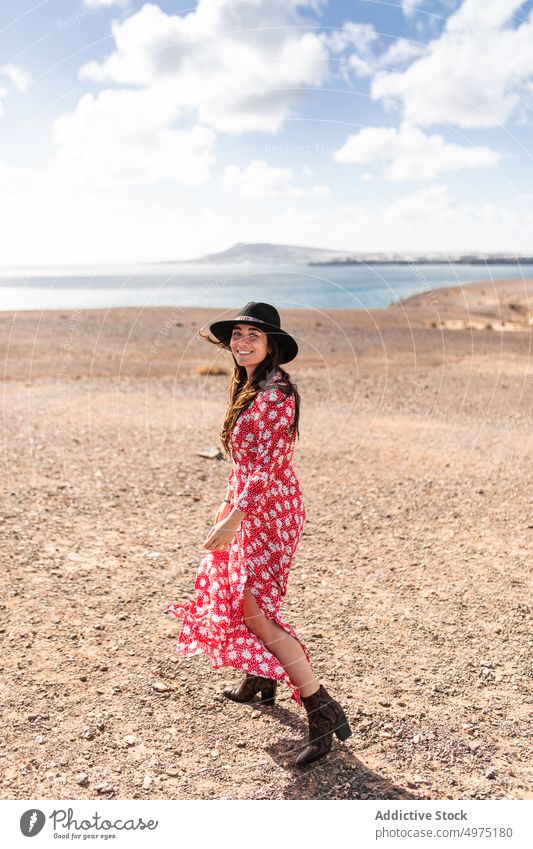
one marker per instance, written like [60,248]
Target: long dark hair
[242,392]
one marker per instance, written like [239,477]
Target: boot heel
[343,730]
[268,694]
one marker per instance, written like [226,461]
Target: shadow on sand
[337,775]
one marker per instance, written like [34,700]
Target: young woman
[240,584]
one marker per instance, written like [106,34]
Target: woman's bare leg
[288,650]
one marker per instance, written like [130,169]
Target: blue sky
[134,131]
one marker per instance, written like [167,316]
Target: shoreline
[154,341]
[461,296]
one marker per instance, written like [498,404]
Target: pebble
[104,787]
[172,770]
[147,781]
[130,739]
[82,779]
[417,738]
[160,687]
[256,714]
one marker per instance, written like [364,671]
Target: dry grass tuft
[212,369]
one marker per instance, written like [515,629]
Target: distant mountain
[263,252]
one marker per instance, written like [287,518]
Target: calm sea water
[295,286]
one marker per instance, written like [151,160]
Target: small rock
[104,787]
[215,753]
[172,770]
[490,773]
[84,677]
[147,781]
[130,739]
[256,714]
[241,744]
[211,454]
[159,687]
[89,734]
[82,779]
[417,738]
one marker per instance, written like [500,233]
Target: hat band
[250,318]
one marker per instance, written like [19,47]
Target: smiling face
[249,346]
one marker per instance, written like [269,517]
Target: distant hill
[263,252]
[258,253]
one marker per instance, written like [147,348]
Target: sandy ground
[411,584]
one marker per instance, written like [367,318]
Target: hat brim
[221,330]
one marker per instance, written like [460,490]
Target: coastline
[157,341]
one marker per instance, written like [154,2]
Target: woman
[240,584]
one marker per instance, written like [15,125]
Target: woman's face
[249,346]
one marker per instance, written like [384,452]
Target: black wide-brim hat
[266,317]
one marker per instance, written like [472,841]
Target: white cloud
[16,80]
[126,137]
[432,219]
[473,75]
[351,34]
[411,154]
[409,7]
[360,38]
[234,64]
[228,66]
[400,51]
[19,78]
[258,179]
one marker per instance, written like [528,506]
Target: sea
[206,285]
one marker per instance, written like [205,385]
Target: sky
[139,132]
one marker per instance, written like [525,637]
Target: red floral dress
[263,484]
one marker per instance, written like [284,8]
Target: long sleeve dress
[264,485]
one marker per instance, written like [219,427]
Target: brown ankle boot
[326,717]
[248,688]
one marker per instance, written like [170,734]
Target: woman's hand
[221,535]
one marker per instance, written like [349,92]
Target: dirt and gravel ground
[411,585]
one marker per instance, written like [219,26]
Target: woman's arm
[273,444]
